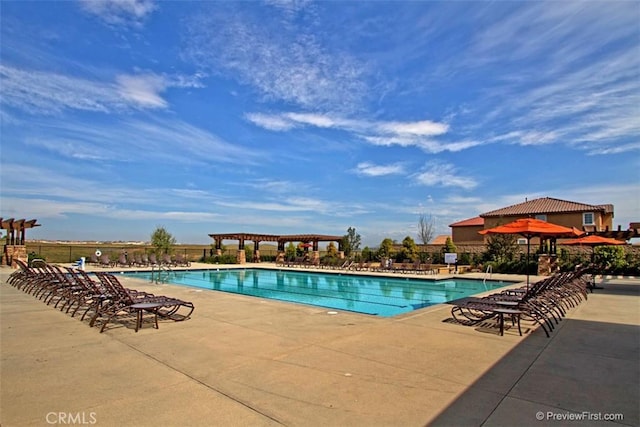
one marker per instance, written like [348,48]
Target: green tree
[386,248]
[290,251]
[366,254]
[502,247]
[351,241]
[332,251]
[248,253]
[449,246]
[409,249]
[162,241]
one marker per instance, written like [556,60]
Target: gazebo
[309,239]
[14,247]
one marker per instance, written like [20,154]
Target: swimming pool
[374,295]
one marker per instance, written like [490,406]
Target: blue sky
[310,117]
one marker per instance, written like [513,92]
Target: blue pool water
[375,295]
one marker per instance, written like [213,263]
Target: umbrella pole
[527,267]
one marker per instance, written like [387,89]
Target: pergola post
[256,251]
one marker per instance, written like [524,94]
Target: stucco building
[586,217]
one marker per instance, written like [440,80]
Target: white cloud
[444,175]
[382,133]
[270,122]
[421,128]
[580,84]
[318,120]
[281,205]
[50,93]
[276,186]
[120,12]
[370,169]
[42,92]
[286,63]
[143,90]
[169,141]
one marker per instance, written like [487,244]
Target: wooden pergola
[14,248]
[16,229]
[309,239]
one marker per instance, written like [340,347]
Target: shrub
[221,259]
[610,258]
[31,256]
[465,259]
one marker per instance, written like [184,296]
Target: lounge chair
[545,302]
[145,259]
[182,261]
[139,261]
[105,261]
[152,259]
[167,261]
[122,261]
[124,299]
[92,296]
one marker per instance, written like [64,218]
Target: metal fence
[69,253]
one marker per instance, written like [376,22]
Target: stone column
[241,256]
[13,253]
[547,265]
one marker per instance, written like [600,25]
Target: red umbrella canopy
[593,240]
[530,227]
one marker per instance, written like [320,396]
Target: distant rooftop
[440,240]
[546,205]
[477,221]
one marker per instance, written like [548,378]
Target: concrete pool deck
[246,361]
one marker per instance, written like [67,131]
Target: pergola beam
[16,229]
[312,239]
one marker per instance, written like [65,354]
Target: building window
[588,218]
[541,217]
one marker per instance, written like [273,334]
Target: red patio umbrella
[531,227]
[593,240]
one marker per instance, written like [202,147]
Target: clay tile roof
[546,205]
[469,222]
[439,240]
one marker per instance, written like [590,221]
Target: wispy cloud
[576,81]
[167,140]
[277,186]
[120,12]
[42,92]
[287,63]
[438,174]
[143,90]
[370,169]
[51,93]
[421,134]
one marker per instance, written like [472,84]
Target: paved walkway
[243,361]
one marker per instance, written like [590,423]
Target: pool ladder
[160,270]
[488,274]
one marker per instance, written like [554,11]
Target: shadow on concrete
[588,370]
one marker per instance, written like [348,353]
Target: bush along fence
[623,260]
